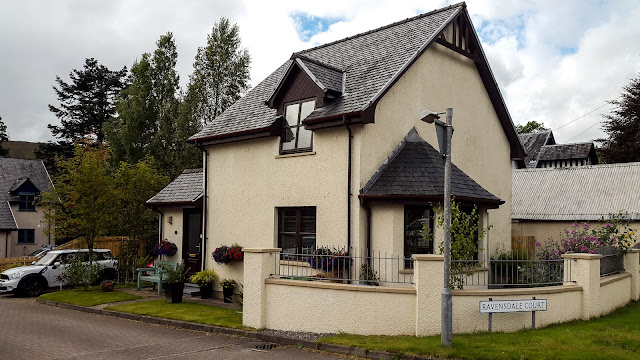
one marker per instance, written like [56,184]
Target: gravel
[295,334]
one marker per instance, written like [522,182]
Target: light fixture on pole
[444,131]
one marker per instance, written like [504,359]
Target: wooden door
[192,240]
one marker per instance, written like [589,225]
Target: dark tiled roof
[567,151]
[330,79]
[532,142]
[369,60]
[13,171]
[416,169]
[186,188]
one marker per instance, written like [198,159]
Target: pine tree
[3,137]
[221,72]
[623,126]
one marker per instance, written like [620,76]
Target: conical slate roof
[415,170]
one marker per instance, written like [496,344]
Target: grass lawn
[615,336]
[185,311]
[91,297]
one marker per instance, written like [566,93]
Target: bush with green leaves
[81,274]
[172,274]
[464,229]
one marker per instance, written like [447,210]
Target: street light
[444,132]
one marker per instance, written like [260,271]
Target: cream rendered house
[329,149]
[22,227]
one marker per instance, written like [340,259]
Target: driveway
[34,331]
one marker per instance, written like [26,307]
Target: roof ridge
[576,168]
[576,143]
[463,4]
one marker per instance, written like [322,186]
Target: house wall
[247,181]
[441,78]
[173,231]
[28,220]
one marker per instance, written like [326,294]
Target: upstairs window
[295,138]
[27,202]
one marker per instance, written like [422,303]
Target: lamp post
[444,132]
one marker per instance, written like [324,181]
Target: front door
[192,240]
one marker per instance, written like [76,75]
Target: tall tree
[531,126]
[86,102]
[622,126]
[82,202]
[221,72]
[3,137]
[149,122]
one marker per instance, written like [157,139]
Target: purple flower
[607,225]
[538,244]
[586,226]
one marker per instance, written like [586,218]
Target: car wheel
[31,287]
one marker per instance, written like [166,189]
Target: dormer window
[27,202]
[295,138]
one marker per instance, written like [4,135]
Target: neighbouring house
[329,149]
[180,221]
[22,227]
[543,152]
[547,201]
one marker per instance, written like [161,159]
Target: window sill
[26,210]
[295,154]
[405,271]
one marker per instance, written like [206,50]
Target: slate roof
[187,188]
[369,60]
[568,151]
[416,170]
[576,193]
[16,171]
[327,78]
[532,143]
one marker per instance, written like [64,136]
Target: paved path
[35,331]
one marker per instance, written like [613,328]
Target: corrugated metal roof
[576,193]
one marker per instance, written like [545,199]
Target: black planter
[206,290]
[228,294]
[173,292]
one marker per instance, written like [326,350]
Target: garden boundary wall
[406,309]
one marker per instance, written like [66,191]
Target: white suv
[45,273]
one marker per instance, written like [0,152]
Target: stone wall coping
[613,278]
[261,250]
[634,250]
[527,291]
[346,287]
[427,257]
[582,256]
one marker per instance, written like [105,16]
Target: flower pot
[173,292]
[106,286]
[206,290]
[228,294]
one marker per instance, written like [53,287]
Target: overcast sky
[555,61]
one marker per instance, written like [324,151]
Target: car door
[53,272]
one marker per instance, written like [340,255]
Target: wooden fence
[113,243]
[524,245]
[16,261]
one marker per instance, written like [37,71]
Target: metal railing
[612,261]
[507,273]
[352,266]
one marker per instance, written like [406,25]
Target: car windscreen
[47,259]
[35,253]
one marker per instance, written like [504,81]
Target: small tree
[464,232]
[3,137]
[82,202]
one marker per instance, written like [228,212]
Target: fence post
[258,265]
[585,271]
[428,275]
[632,266]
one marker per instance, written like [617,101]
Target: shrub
[78,273]
[204,277]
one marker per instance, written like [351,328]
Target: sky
[556,62]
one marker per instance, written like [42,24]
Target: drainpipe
[205,206]
[346,124]
[368,209]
